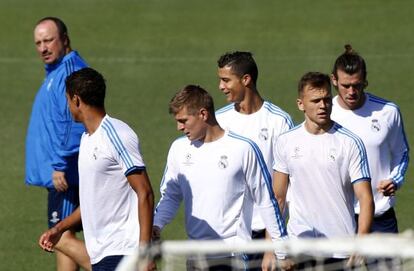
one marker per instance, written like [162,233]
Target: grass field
[147,50]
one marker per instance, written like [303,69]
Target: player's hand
[286,264]
[49,239]
[386,187]
[156,234]
[59,181]
[151,266]
[355,261]
[269,261]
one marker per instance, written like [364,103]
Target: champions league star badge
[375,126]
[188,159]
[296,153]
[263,135]
[223,163]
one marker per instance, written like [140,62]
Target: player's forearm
[146,211]
[69,222]
[363,192]
[366,215]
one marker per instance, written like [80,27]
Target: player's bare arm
[280,186]
[363,192]
[140,182]
[51,237]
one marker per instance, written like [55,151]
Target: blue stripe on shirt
[225,108]
[268,181]
[362,152]
[403,164]
[379,100]
[277,111]
[116,141]
[402,168]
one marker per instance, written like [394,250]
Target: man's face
[350,89]
[231,85]
[192,125]
[316,103]
[49,44]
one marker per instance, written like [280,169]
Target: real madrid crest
[332,154]
[263,134]
[95,153]
[375,125]
[223,162]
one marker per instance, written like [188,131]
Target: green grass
[147,50]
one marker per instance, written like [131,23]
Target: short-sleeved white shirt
[321,169]
[379,124]
[263,127]
[218,182]
[109,206]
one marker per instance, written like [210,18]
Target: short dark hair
[315,80]
[241,63]
[193,98]
[350,62]
[62,29]
[89,85]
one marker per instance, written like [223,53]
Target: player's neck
[355,106]
[251,103]
[92,119]
[317,129]
[213,133]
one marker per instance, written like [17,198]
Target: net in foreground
[370,252]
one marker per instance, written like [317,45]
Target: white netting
[380,251]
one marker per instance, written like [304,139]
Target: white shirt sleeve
[399,149]
[124,147]
[171,194]
[260,185]
[279,163]
[358,166]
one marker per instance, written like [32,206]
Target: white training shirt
[321,169]
[218,182]
[263,127]
[379,124]
[109,206]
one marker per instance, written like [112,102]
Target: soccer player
[116,198]
[219,175]
[52,141]
[323,165]
[379,124]
[250,116]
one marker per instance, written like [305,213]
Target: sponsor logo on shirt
[332,154]
[263,134]
[375,126]
[223,162]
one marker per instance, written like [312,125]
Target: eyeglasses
[354,86]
